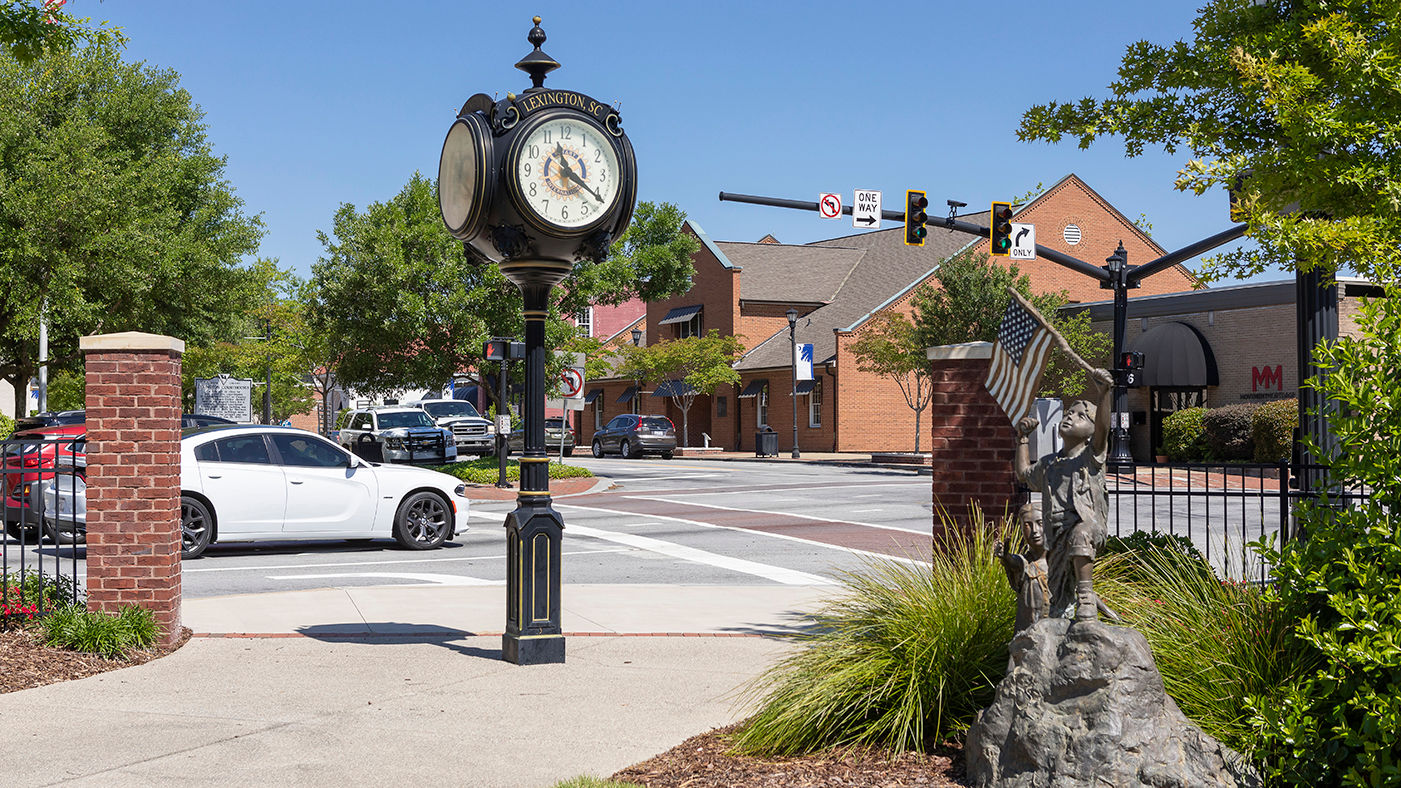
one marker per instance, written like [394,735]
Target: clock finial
[537,64]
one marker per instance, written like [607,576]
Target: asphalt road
[668,522]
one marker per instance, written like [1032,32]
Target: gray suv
[633,436]
[397,435]
[473,432]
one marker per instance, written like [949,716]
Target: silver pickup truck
[473,433]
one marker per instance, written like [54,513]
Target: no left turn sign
[571,382]
[829,205]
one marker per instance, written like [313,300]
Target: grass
[901,660]
[593,782]
[1217,643]
[94,632]
[486,470]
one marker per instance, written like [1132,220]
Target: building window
[584,322]
[598,413]
[761,407]
[689,328]
[815,404]
[722,406]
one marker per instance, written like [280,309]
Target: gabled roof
[792,274]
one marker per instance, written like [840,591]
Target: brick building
[1214,347]
[838,287]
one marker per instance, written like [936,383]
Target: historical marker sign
[225,397]
[865,212]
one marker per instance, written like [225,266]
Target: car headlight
[460,491]
[393,443]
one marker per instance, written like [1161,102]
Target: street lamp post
[793,340]
[636,384]
[1117,266]
[267,387]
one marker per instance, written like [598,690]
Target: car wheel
[597,448]
[422,522]
[569,452]
[666,455]
[196,527]
[64,537]
[625,450]
[21,532]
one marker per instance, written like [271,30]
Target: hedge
[1272,430]
[1228,431]
[1183,439]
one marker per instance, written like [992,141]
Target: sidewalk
[404,685]
[839,459]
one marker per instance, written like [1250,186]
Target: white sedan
[250,483]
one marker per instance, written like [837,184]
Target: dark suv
[633,436]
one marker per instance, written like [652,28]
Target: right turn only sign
[1023,241]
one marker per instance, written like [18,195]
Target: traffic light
[1131,362]
[1001,229]
[915,217]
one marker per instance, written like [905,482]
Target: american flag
[1018,358]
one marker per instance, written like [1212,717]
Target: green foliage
[7,426]
[890,347]
[486,470]
[115,208]
[593,782]
[94,632]
[1228,431]
[1340,724]
[67,390]
[1272,430]
[704,363]
[29,594]
[1216,643]
[1300,99]
[29,29]
[967,304]
[1183,437]
[902,660]
[1150,541]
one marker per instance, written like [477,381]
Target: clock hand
[569,173]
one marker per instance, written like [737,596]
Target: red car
[32,457]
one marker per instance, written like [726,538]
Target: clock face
[463,191]
[567,171]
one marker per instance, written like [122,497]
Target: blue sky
[321,103]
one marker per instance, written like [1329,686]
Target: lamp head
[792,316]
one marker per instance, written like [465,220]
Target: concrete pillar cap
[963,350]
[130,341]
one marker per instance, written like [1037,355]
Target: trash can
[765,442]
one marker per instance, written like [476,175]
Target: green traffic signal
[1001,235]
[915,217]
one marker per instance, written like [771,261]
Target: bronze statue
[1074,501]
[1027,572]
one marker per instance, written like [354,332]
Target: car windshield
[406,418]
[457,407]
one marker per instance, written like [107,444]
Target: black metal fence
[1219,507]
[43,498]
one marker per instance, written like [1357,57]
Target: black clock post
[537,183]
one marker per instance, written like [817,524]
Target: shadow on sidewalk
[397,634]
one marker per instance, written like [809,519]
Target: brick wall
[133,477]
[972,443]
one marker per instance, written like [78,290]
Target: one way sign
[865,211]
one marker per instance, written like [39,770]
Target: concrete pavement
[404,685]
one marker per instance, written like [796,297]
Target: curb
[918,470]
[454,634]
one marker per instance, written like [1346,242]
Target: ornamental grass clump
[901,660]
[94,632]
[1217,643]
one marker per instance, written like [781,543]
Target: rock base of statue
[1083,705]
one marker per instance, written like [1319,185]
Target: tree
[28,30]
[685,369]
[403,306]
[890,348]
[1296,103]
[968,304]
[114,214]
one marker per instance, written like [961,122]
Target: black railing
[1219,507]
[43,487]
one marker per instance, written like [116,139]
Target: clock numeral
[527,170]
[532,190]
[586,209]
[564,212]
[534,151]
[597,155]
[583,140]
[546,207]
[547,136]
[566,132]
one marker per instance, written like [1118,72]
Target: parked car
[30,458]
[397,434]
[253,483]
[473,433]
[634,436]
[188,420]
[555,431]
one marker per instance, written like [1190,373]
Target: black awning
[1176,355]
[806,386]
[628,395]
[753,389]
[592,395]
[680,314]
[674,388]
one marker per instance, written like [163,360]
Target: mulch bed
[26,662]
[703,762]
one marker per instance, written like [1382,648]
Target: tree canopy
[404,307]
[891,348]
[29,29]
[1296,105]
[687,368]
[114,213]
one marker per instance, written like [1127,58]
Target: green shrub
[94,632]
[7,426]
[1227,431]
[1340,724]
[1183,439]
[901,660]
[1217,644]
[486,470]
[28,595]
[1272,430]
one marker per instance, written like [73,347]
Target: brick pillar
[133,445]
[972,444]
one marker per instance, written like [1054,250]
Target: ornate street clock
[537,183]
